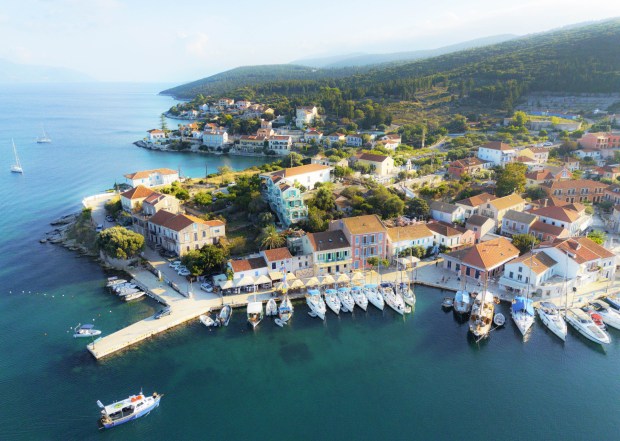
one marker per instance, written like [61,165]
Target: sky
[179,41]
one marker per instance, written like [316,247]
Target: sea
[368,375]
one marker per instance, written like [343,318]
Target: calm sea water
[367,376]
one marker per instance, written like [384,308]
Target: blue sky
[157,41]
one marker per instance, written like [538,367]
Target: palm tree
[271,238]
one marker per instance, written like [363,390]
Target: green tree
[524,242]
[418,207]
[271,238]
[535,192]
[120,243]
[519,119]
[113,206]
[323,200]
[203,199]
[597,236]
[510,179]
[292,160]
[163,124]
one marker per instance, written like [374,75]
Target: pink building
[367,236]
[600,140]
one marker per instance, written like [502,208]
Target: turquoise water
[368,376]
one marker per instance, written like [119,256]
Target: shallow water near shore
[368,375]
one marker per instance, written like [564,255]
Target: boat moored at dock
[522,313]
[359,297]
[85,331]
[130,408]
[462,302]
[583,323]
[255,313]
[332,300]
[225,315]
[552,318]
[346,299]
[610,316]
[316,303]
[272,308]
[374,296]
[481,317]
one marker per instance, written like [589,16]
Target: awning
[357,276]
[245,281]
[342,278]
[312,281]
[512,283]
[327,280]
[408,261]
[295,284]
[263,279]
[276,275]
[290,277]
[226,284]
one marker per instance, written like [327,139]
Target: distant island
[28,73]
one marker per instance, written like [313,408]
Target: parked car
[184,272]
[163,312]
[109,218]
[99,228]
[175,264]
[206,287]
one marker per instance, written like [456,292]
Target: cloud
[195,44]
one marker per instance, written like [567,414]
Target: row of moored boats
[125,290]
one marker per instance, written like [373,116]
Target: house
[225,102]
[450,236]
[517,222]
[467,166]
[612,194]
[280,144]
[600,140]
[156,135]
[572,217]
[540,155]
[157,201]
[571,164]
[380,164]
[480,225]
[481,261]
[367,236]
[546,232]
[331,252]
[548,201]
[306,175]
[305,116]
[355,140]
[614,222]
[391,140]
[279,262]
[181,233]
[525,274]
[577,190]
[334,137]
[595,154]
[472,204]
[243,104]
[247,271]
[609,172]
[313,135]
[215,137]
[152,178]
[445,212]
[547,175]
[252,143]
[285,200]
[403,238]
[497,153]
[344,205]
[496,208]
[131,200]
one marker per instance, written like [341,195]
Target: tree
[120,243]
[203,199]
[597,236]
[535,192]
[292,160]
[271,238]
[163,124]
[519,119]
[209,259]
[510,179]
[113,206]
[323,200]
[341,172]
[224,170]
[524,242]
[418,207]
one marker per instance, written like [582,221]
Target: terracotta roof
[537,262]
[410,232]
[539,175]
[214,223]
[490,254]
[295,171]
[559,213]
[581,249]
[363,224]
[161,217]
[176,222]
[594,247]
[553,230]
[539,150]
[247,264]
[467,162]
[524,159]
[139,192]
[155,131]
[478,220]
[372,157]
[154,197]
[445,229]
[519,216]
[328,240]
[277,254]
[507,201]
[146,173]
[496,145]
[576,183]
[477,200]
[549,201]
[443,207]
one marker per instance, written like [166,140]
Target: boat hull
[523,321]
[134,416]
[603,339]
[552,326]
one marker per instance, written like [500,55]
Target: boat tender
[225,315]
[85,331]
[271,308]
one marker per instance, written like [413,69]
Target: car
[184,272]
[180,268]
[206,287]
[99,228]
[109,218]
[547,144]
[163,312]
[175,264]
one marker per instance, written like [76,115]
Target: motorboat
[207,320]
[613,300]
[522,313]
[255,313]
[499,319]
[128,291]
[597,319]
[583,323]
[447,303]
[552,318]
[462,302]
[610,316]
[17,167]
[359,297]
[130,408]
[316,303]
[374,296]
[481,317]
[113,281]
[346,299]
[271,308]
[134,296]
[225,315]
[405,291]
[285,310]
[85,331]
[393,300]
[332,300]
[165,311]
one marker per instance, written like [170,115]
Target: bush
[120,243]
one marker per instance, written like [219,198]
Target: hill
[26,73]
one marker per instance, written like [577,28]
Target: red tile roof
[372,157]
[146,173]
[496,145]
[247,264]
[277,254]
[491,254]
[139,192]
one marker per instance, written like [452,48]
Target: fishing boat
[207,320]
[522,313]
[609,315]
[550,316]
[499,319]
[255,313]
[272,308]
[17,167]
[405,291]
[374,296]
[613,300]
[462,302]
[346,299]
[393,300]
[225,315]
[583,323]
[131,408]
[285,310]
[316,303]
[85,331]
[332,300]
[359,297]
[134,296]
[481,317]
[447,303]
[44,139]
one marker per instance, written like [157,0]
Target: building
[467,166]
[214,137]
[497,153]
[367,236]
[577,190]
[157,201]
[331,252]
[181,233]
[539,154]
[480,225]
[546,176]
[380,164]
[390,141]
[225,102]
[131,200]
[546,232]
[152,178]
[404,238]
[247,271]
[285,200]
[279,262]
[472,204]
[156,135]
[450,236]
[252,143]
[609,172]
[573,217]
[595,154]
[517,222]
[481,261]
[313,135]
[305,116]
[445,212]
[600,140]
[243,104]
[334,137]
[307,175]
[497,208]
[354,140]
[280,144]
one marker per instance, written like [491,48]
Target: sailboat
[374,296]
[550,316]
[359,297]
[17,167]
[481,317]
[522,313]
[255,313]
[346,299]
[285,311]
[44,139]
[316,303]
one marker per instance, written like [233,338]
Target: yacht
[359,297]
[481,317]
[348,303]
[586,327]
[17,167]
[271,308]
[255,313]
[316,303]
[462,302]
[225,315]
[332,300]
[85,331]
[374,296]
[550,316]
[393,300]
[45,139]
[405,291]
[128,409]
[285,310]
[610,316]
[134,296]
[522,313]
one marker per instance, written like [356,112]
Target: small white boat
[285,310]
[405,291]
[522,313]
[271,308]
[499,319]
[332,300]
[583,323]
[207,320]
[393,300]
[613,300]
[346,299]
[359,297]
[279,322]
[131,408]
[127,291]
[44,139]
[85,331]
[316,303]
[134,296]
[462,302]
[113,281]
[550,316]
[447,302]
[374,296]
[255,313]
[609,315]
[17,167]
[225,315]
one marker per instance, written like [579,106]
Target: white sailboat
[285,310]
[550,316]
[332,300]
[315,303]
[348,303]
[522,313]
[374,296]
[583,323]
[255,313]
[45,139]
[393,300]
[17,167]
[271,308]
[359,297]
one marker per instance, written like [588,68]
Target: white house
[242,104]
[497,152]
[225,102]
[313,135]
[305,116]
[445,212]
[382,165]
[151,178]
[156,135]
[573,217]
[403,238]
[334,137]
[354,140]
[306,175]
[280,144]
[214,137]
[248,269]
